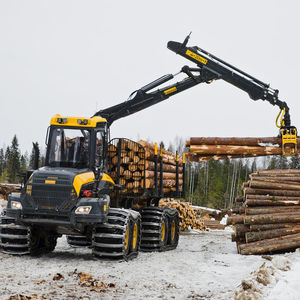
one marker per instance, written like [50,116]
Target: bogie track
[119,237]
[20,239]
[160,229]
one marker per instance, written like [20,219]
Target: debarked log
[254,202]
[238,219]
[269,234]
[271,210]
[272,218]
[166,175]
[234,150]
[246,141]
[271,245]
[272,192]
[274,185]
[149,183]
[263,227]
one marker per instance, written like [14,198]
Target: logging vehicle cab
[104,193]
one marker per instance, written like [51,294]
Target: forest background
[212,184]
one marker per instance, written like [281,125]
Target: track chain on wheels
[14,239]
[160,229]
[119,237]
[79,241]
[20,239]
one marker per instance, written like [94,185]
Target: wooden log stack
[216,148]
[269,220]
[129,174]
[187,214]
[137,167]
[8,188]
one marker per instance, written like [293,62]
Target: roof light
[85,121]
[79,121]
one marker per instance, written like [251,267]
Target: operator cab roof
[77,121]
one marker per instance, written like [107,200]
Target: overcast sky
[76,57]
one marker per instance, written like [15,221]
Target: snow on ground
[204,266]
[288,283]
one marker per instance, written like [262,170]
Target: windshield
[69,148]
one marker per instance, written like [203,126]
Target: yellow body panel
[106,177]
[171,90]
[82,179]
[88,177]
[73,121]
[196,56]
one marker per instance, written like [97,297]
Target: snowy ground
[204,266]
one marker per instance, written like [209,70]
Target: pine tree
[282,162]
[13,164]
[32,156]
[1,161]
[295,162]
[23,163]
[273,163]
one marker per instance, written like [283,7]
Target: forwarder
[74,195]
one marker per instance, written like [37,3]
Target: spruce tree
[13,163]
[295,162]
[1,161]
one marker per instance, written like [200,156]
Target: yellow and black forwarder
[74,194]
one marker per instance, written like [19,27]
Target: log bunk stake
[269,220]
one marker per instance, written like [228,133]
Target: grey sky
[71,57]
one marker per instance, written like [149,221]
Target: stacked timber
[8,188]
[134,164]
[269,220]
[124,164]
[187,215]
[216,148]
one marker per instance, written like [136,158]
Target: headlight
[83,210]
[16,205]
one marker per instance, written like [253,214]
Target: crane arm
[209,68]
[144,98]
[255,88]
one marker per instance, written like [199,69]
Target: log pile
[8,188]
[216,148]
[137,167]
[269,220]
[187,215]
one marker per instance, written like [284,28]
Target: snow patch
[224,220]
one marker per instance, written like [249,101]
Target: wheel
[50,243]
[119,237]
[41,243]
